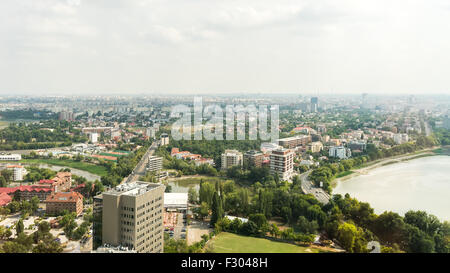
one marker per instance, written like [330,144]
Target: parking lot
[175,225]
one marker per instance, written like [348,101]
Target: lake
[418,184]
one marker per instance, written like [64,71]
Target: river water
[418,184]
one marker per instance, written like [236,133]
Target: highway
[141,167]
[309,188]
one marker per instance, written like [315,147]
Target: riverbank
[382,162]
[416,183]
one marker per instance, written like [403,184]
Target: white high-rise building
[282,163]
[154,163]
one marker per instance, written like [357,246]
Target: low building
[28,192]
[267,147]
[176,201]
[5,199]
[232,218]
[62,182]
[58,202]
[295,141]
[10,157]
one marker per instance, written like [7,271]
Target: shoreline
[385,162]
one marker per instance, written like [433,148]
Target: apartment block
[315,147]
[58,202]
[253,159]
[132,216]
[154,163]
[340,152]
[18,172]
[231,158]
[295,141]
[282,163]
[164,139]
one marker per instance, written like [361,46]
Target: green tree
[19,227]
[216,208]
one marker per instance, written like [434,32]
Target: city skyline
[214,47]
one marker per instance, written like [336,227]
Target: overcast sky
[219,46]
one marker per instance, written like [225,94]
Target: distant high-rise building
[132,216]
[314,104]
[66,115]
[164,139]
[304,107]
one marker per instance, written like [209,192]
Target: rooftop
[134,188]
[175,199]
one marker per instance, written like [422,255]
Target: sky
[101,47]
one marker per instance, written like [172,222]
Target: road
[309,188]
[141,167]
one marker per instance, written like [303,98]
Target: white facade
[154,163]
[401,138]
[231,158]
[93,137]
[18,172]
[340,152]
[11,157]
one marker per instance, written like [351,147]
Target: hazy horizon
[157,47]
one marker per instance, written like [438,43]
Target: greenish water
[418,184]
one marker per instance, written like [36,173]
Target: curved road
[309,188]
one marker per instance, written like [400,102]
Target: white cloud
[219,46]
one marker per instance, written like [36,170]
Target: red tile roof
[64,197]
[5,199]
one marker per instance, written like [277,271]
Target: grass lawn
[232,243]
[84,166]
[4,124]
